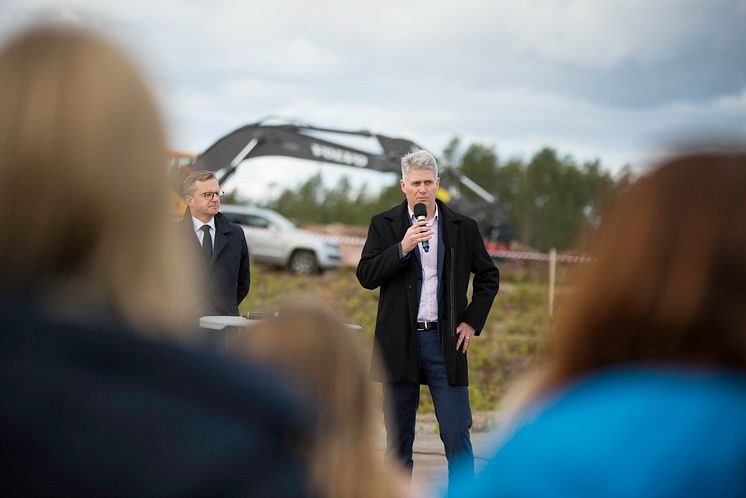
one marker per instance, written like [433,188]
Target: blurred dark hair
[668,283]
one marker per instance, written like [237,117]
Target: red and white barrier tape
[524,255]
[521,255]
[538,256]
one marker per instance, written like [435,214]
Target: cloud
[596,79]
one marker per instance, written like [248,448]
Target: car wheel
[303,263]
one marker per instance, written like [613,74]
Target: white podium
[230,325]
[218,322]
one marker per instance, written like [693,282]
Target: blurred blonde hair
[310,346]
[83,191]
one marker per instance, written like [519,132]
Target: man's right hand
[417,233]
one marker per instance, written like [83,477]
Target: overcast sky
[613,80]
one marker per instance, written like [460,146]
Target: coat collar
[401,211]
[398,216]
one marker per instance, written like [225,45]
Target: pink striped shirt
[428,309]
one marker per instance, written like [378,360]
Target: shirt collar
[411,214]
[197,224]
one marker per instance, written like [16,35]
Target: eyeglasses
[209,195]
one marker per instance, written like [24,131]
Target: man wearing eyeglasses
[223,253]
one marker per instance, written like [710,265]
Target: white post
[552,272]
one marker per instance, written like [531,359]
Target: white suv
[275,240]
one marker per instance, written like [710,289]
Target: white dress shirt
[197,224]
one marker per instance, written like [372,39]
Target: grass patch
[514,334]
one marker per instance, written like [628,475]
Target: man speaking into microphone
[421,255]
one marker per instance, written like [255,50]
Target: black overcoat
[226,279]
[463,254]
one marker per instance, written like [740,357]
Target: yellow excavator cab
[443,195]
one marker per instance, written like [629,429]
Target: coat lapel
[441,253]
[188,227]
[451,222]
[221,236]
[400,225]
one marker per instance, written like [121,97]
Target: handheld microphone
[420,213]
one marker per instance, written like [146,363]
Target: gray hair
[421,159]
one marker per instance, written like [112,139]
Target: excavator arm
[307,142]
[255,140]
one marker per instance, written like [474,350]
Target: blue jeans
[451,409]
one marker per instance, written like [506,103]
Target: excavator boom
[309,142]
[255,140]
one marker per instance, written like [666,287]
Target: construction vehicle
[308,142]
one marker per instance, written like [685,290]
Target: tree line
[547,201]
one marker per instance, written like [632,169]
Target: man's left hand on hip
[465,334]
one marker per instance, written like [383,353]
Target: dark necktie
[207,243]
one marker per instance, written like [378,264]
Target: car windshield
[280,221]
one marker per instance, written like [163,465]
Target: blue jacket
[635,432]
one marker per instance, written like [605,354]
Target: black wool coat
[463,254]
[226,278]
